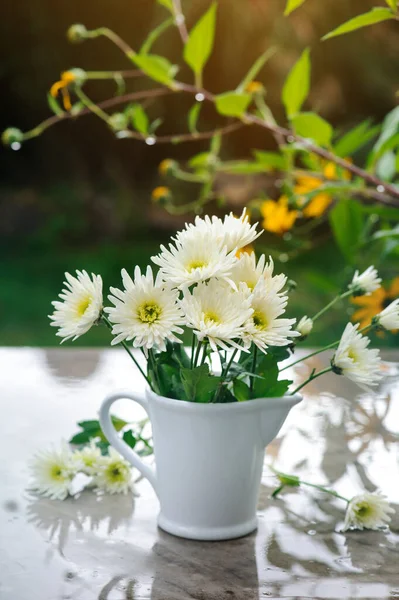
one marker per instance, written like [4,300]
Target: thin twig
[180,20]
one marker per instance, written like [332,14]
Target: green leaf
[355,138]
[200,160]
[242,167]
[154,35]
[390,144]
[167,4]
[389,128]
[198,47]
[256,67]
[386,233]
[154,125]
[393,5]
[267,368]
[347,220]
[279,389]
[156,67]
[83,437]
[241,390]
[53,104]
[139,118]
[198,384]
[193,117]
[270,160]
[375,15]
[129,438]
[385,212]
[232,104]
[297,85]
[292,5]
[310,125]
[386,167]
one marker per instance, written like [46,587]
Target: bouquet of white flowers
[210,283]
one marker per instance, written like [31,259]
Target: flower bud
[76,75]
[304,327]
[255,87]
[161,195]
[166,166]
[77,33]
[12,135]
[118,121]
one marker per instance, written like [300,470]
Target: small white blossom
[389,317]
[88,458]
[355,360]
[81,306]
[248,271]
[367,511]
[217,312]
[53,472]
[365,283]
[114,474]
[194,257]
[265,327]
[232,232]
[145,312]
[305,326]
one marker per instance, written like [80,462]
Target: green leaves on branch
[232,104]
[154,35]
[192,118]
[168,4]
[355,138]
[375,15]
[138,117]
[199,385]
[292,5]
[310,125]
[199,45]
[156,67]
[347,223]
[297,85]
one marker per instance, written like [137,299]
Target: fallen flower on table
[368,510]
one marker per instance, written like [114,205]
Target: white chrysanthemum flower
[53,472]
[305,326]
[81,306]
[114,474]
[232,232]
[355,360]
[389,317]
[265,327]
[198,258]
[367,511]
[217,313]
[88,458]
[248,271]
[145,312]
[365,283]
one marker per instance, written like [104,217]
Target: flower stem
[313,376]
[126,347]
[310,355]
[326,490]
[192,351]
[254,356]
[330,304]
[154,368]
[197,354]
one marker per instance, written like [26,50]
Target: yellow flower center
[363,510]
[211,318]
[149,312]
[352,354]
[195,264]
[259,320]
[83,305]
[56,472]
[115,473]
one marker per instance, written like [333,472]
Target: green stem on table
[326,490]
[254,356]
[126,347]
[283,476]
[330,304]
[313,376]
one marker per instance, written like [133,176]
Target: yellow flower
[318,205]
[159,193]
[371,305]
[165,166]
[277,217]
[254,87]
[67,77]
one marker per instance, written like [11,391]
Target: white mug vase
[209,460]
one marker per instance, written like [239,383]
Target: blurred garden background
[78,197]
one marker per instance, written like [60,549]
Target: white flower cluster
[203,283]
[54,471]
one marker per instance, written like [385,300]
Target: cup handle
[117,442]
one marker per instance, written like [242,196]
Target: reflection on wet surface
[109,548]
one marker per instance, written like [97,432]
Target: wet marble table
[109,548]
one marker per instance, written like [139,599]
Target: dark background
[77,197]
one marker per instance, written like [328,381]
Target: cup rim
[247,406]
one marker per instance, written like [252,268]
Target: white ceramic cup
[208,458]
